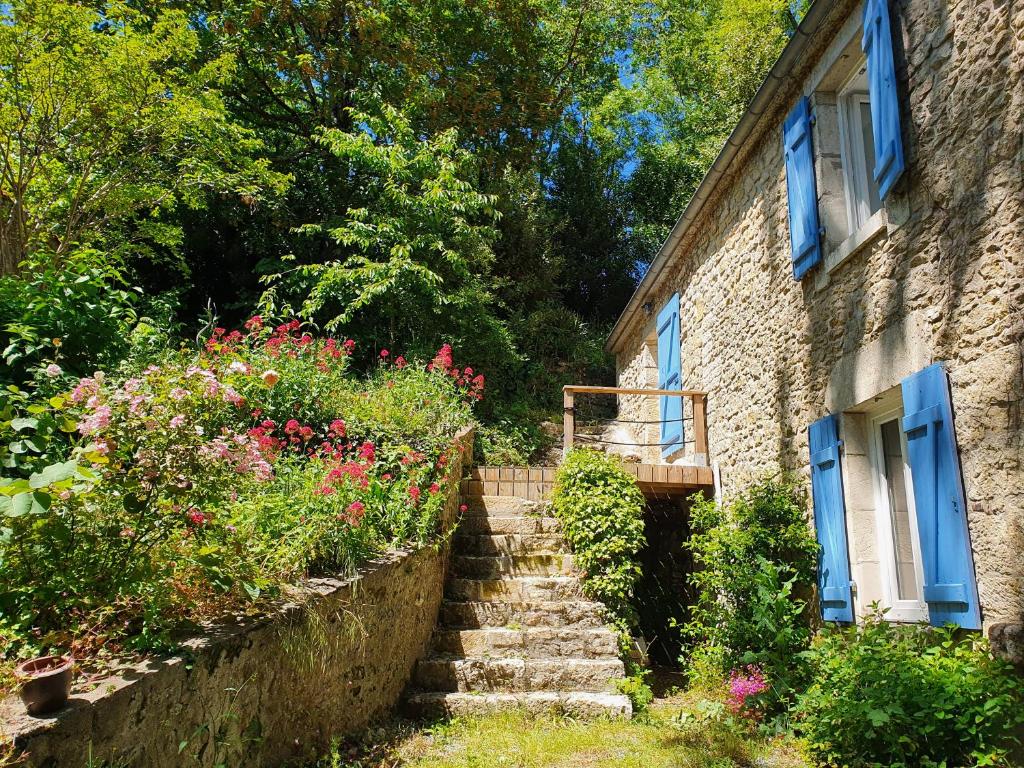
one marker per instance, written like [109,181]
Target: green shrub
[601,509]
[755,560]
[638,689]
[888,695]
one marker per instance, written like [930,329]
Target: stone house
[847,286]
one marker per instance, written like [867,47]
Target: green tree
[108,126]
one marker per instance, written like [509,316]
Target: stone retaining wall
[264,693]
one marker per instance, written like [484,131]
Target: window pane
[899,512]
[864,111]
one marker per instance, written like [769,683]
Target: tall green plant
[755,560]
[889,695]
[601,509]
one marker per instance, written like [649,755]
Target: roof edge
[778,77]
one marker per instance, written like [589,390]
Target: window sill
[868,231]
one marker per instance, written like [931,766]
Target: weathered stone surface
[581,705]
[510,544]
[523,589]
[502,506]
[264,692]
[532,643]
[497,566]
[509,525]
[942,280]
[564,613]
[513,675]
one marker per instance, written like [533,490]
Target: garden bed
[333,657]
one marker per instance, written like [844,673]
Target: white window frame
[855,165]
[899,610]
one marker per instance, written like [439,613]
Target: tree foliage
[108,125]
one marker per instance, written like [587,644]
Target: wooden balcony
[536,483]
[693,453]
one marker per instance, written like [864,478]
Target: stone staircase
[515,630]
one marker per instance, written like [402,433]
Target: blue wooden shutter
[885,105]
[670,376]
[830,520]
[801,189]
[949,586]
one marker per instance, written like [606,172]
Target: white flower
[199,430]
[53,370]
[238,367]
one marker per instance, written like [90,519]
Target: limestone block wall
[265,692]
[943,280]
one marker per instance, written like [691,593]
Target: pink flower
[254,323]
[744,683]
[356,508]
[270,377]
[400,362]
[178,393]
[463,508]
[291,427]
[96,422]
[196,517]
[177,421]
[368,452]
[53,370]
[338,428]
[384,353]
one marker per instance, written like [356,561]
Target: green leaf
[55,473]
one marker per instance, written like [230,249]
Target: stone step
[502,506]
[517,675]
[479,524]
[574,704]
[499,566]
[521,589]
[561,613]
[510,544]
[532,643]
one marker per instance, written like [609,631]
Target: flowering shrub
[209,480]
[755,561]
[744,684]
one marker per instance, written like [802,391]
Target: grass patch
[660,739]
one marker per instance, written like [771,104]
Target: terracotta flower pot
[45,683]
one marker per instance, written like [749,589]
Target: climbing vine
[601,510]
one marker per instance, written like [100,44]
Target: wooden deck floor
[535,483]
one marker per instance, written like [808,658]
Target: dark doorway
[663,595]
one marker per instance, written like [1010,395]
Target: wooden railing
[698,401]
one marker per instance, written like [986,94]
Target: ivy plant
[601,510]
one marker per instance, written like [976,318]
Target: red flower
[196,517]
[368,452]
[400,362]
[356,508]
[254,323]
[414,493]
[384,353]
[349,346]
[338,428]
[463,508]
[434,488]
[306,432]
[291,427]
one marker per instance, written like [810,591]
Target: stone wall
[266,692]
[942,280]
